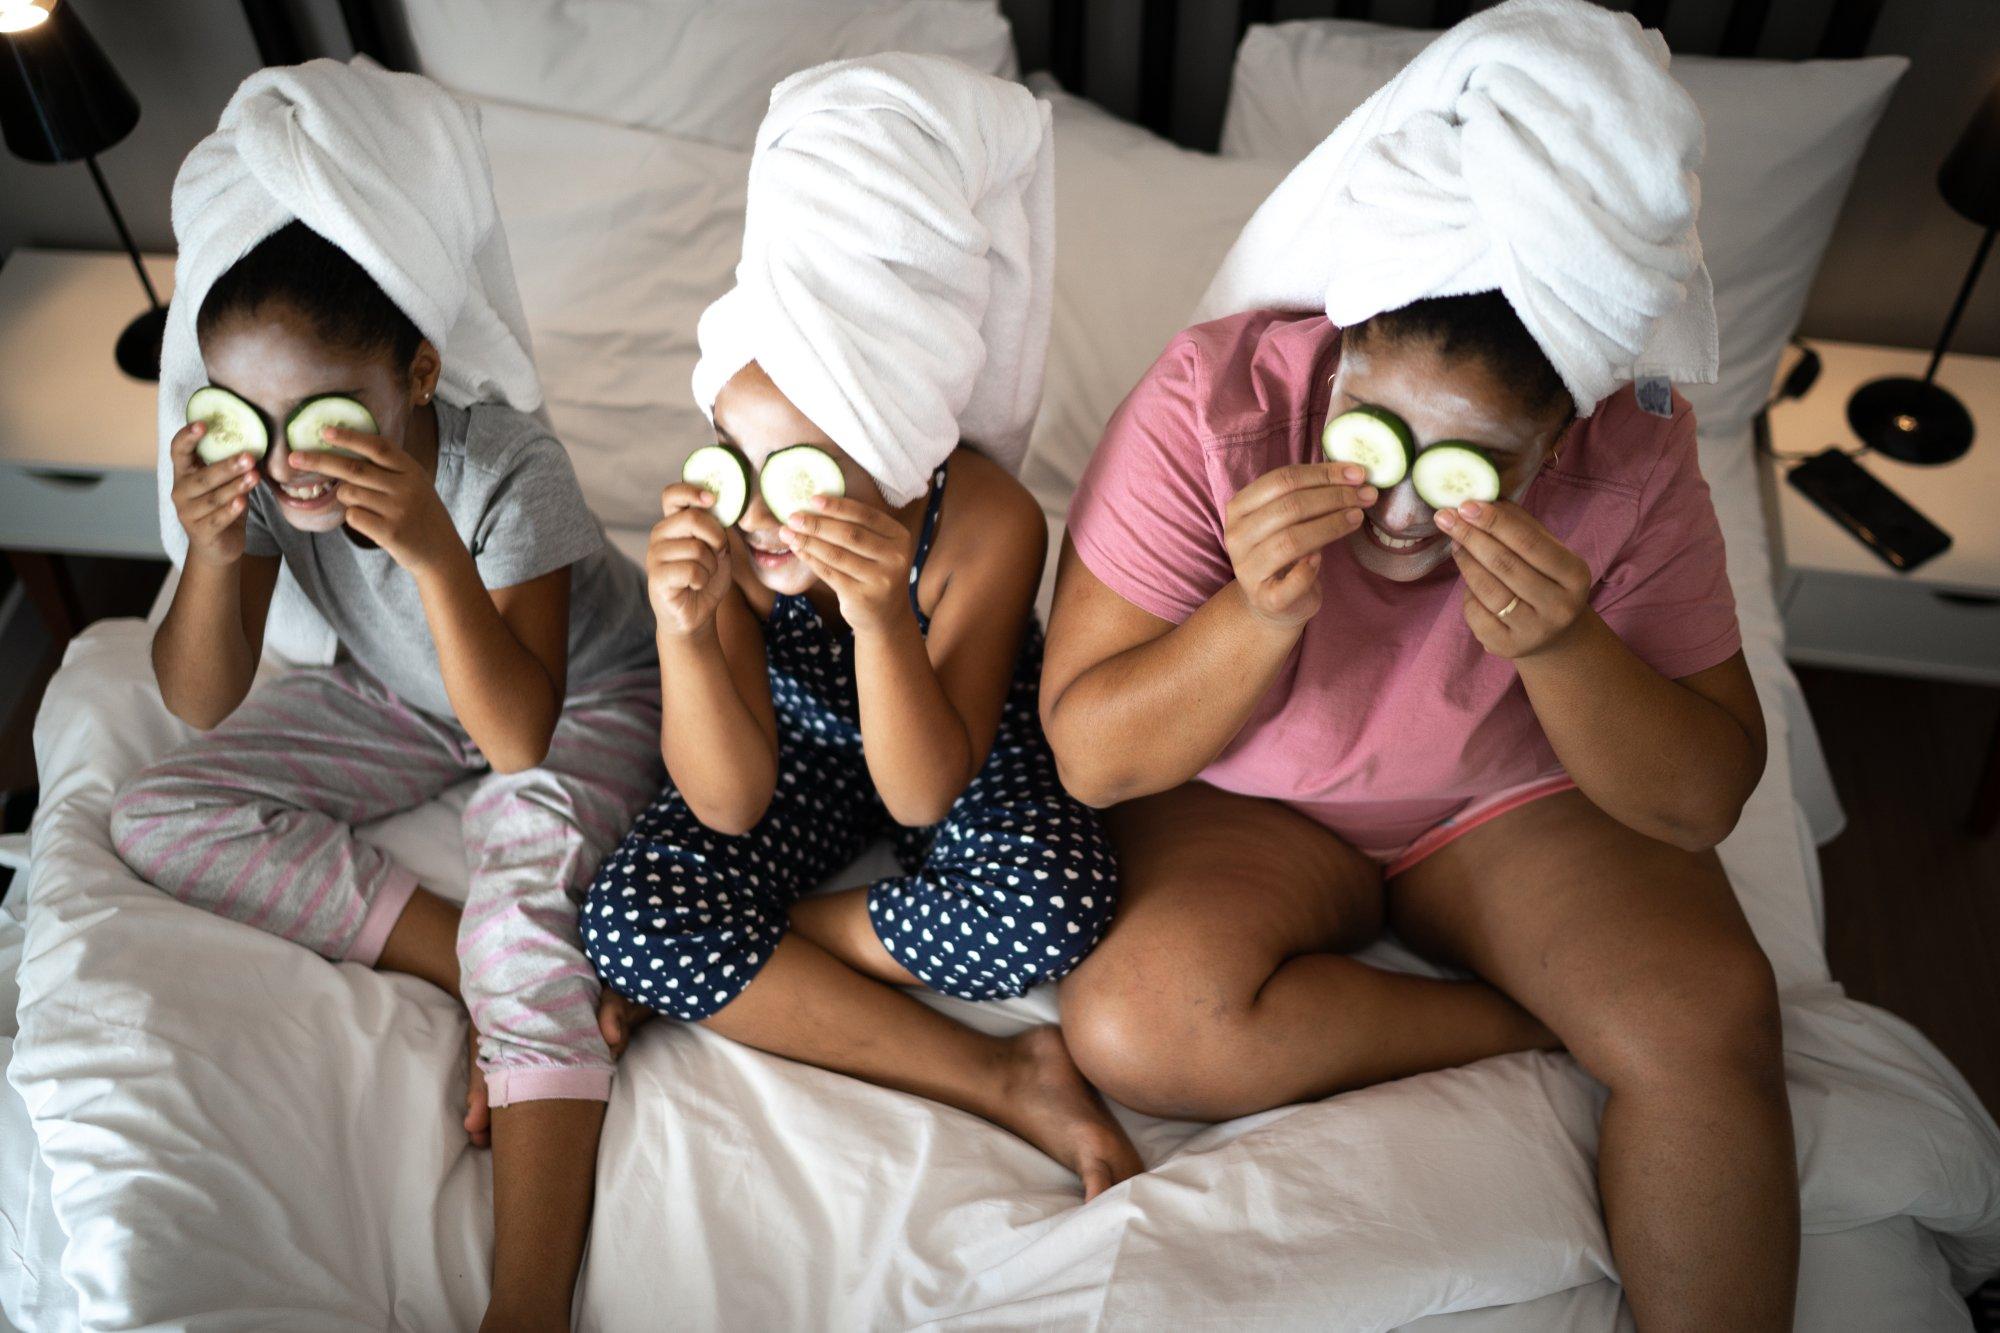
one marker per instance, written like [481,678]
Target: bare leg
[544,1152]
[424,942]
[808,1005]
[1638,955]
[839,924]
[1220,989]
[836,922]
[544,1174]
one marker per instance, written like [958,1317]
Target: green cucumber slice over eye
[234,427]
[721,471]
[314,415]
[1371,437]
[1451,472]
[793,476]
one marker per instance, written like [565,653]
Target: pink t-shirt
[1389,717]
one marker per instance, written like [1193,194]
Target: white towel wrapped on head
[389,167]
[1539,148]
[898,262]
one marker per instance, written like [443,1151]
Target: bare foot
[1049,1104]
[618,1018]
[478,1116]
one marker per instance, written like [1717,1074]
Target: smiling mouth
[1388,541]
[306,495]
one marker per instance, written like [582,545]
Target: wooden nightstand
[77,435]
[1842,606]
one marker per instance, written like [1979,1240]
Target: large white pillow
[620,238]
[1141,226]
[1784,138]
[701,69]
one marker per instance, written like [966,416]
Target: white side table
[77,435]
[1843,607]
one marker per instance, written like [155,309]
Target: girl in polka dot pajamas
[868,665]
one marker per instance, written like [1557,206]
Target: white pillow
[620,238]
[1784,138]
[1141,226]
[701,69]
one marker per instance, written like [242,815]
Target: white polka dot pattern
[1012,889]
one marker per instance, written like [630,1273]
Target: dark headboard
[1167,46]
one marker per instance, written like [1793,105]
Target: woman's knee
[1155,1040]
[1696,1019]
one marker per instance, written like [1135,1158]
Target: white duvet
[238,1135]
[207,1127]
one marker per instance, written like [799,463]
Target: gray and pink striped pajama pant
[255,821]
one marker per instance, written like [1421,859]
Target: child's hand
[388,496]
[1513,564]
[211,500]
[687,560]
[862,553]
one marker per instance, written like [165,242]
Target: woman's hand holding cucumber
[687,560]
[211,499]
[1524,590]
[388,496]
[860,552]
[1276,527]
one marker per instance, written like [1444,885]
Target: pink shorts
[1395,860]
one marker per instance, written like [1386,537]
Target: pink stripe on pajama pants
[255,821]
[534,840]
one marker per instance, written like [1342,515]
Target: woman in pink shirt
[1512,732]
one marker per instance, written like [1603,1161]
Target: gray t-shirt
[514,499]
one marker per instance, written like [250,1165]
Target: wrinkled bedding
[233,1134]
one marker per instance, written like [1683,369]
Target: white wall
[1889,277]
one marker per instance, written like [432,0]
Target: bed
[203,1127]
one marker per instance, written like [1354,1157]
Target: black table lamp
[1919,421]
[60,100]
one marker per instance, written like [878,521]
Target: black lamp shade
[60,99]
[1970,176]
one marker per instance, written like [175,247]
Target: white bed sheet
[236,1136]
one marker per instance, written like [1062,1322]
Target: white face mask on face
[274,360]
[1438,400]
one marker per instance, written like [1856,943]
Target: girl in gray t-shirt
[486,632]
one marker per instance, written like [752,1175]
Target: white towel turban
[389,167]
[898,262]
[1539,148]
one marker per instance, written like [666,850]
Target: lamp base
[1912,421]
[139,345]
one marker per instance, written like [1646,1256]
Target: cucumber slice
[1373,437]
[314,415]
[1451,472]
[234,427]
[795,475]
[721,471]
